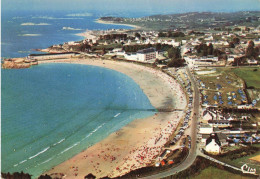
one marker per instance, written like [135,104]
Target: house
[252,62]
[219,123]
[207,115]
[213,144]
[118,51]
[209,38]
[206,129]
[222,138]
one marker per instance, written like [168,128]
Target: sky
[156,6]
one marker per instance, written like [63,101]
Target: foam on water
[69,147]
[44,150]
[117,114]
[59,142]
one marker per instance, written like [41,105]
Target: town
[220,64]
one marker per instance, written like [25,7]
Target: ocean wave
[59,142]
[70,28]
[46,161]
[33,24]
[80,14]
[24,51]
[90,134]
[44,150]
[117,115]
[22,161]
[70,147]
[30,35]
[53,18]
[17,17]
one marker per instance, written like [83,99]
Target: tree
[250,51]
[161,34]
[231,45]
[44,177]
[137,35]
[174,53]
[158,46]
[90,176]
[169,34]
[236,29]
[247,29]
[178,34]
[176,62]
[210,49]
[236,40]
[103,52]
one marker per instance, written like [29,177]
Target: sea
[51,112]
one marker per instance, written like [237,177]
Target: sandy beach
[110,22]
[88,34]
[138,143]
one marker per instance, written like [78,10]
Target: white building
[118,51]
[201,61]
[145,55]
[131,56]
[213,144]
[252,62]
[206,129]
[209,38]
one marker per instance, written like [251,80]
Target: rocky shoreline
[18,63]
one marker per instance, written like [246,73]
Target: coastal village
[221,65]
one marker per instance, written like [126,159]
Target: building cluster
[219,129]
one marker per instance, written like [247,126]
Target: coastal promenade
[193,151]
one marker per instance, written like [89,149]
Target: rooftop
[148,50]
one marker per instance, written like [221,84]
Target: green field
[241,161]
[229,84]
[231,79]
[215,173]
[251,77]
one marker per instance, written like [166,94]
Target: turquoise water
[52,112]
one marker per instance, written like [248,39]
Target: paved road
[193,151]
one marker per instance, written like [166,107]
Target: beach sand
[111,22]
[88,34]
[138,143]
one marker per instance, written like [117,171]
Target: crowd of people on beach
[147,153]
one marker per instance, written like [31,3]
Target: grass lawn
[231,80]
[241,161]
[215,173]
[229,83]
[251,77]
